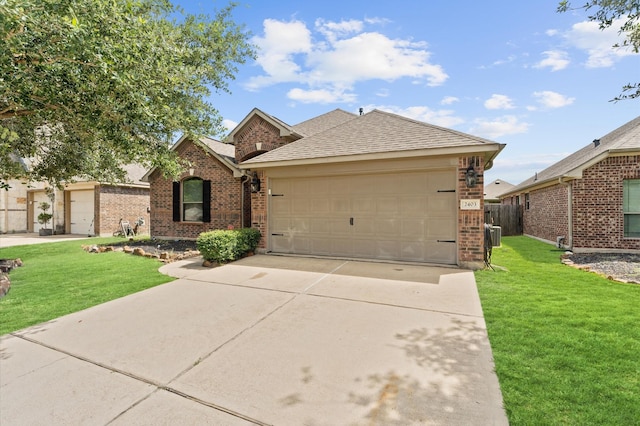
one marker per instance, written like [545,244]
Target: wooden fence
[507,217]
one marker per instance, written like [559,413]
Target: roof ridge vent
[596,143]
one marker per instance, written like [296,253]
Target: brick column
[259,211]
[471,222]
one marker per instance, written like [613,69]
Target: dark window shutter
[206,201]
[176,201]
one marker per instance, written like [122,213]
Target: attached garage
[370,186]
[408,216]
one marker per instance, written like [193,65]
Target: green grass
[566,343]
[61,278]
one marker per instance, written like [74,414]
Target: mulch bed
[623,267]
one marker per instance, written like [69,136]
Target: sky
[517,73]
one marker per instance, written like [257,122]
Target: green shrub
[227,245]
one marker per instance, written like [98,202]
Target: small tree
[44,217]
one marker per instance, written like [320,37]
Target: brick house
[375,186]
[590,200]
[82,207]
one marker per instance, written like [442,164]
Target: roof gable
[376,132]
[625,138]
[285,129]
[223,152]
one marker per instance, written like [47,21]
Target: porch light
[255,183]
[471,177]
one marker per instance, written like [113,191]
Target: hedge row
[223,246]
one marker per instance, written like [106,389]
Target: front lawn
[61,278]
[566,343]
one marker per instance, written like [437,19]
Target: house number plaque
[469,204]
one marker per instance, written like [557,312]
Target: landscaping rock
[138,251]
[127,249]
[5,284]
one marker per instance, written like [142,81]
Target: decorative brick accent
[257,131]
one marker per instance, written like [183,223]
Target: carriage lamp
[255,183]
[471,177]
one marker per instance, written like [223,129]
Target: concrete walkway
[265,340]
[10,240]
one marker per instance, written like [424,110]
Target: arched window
[192,200]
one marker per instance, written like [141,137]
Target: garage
[81,211]
[399,216]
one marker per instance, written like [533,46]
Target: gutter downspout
[242,182]
[569,210]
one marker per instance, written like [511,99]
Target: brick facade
[597,207]
[226,197]
[597,204]
[257,133]
[470,222]
[113,203]
[546,216]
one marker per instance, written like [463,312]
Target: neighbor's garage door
[401,216]
[81,214]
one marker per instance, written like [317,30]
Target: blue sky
[517,73]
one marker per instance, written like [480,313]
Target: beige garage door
[81,215]
[401,216]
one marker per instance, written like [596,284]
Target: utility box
[496,236]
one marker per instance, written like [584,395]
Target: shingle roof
[374,132]
[494,189]
[324,122]
[624,138]
[226,149]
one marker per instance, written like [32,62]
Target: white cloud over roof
[329,59]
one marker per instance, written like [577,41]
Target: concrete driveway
[265,340]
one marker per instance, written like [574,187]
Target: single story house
[84,207]
[493,190]
[590,200]
[375,186]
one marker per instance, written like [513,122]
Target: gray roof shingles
[374,132]
[625,137]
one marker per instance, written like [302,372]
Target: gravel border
[622,267]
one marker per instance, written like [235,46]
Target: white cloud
[443,117]
[597,43]
[555,59]
[499,102]
[549,99]
[229,124]
[320,96]
[448,100]
[501,126]
[336,56]
[281,41]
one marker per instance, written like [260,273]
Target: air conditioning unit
[496,235]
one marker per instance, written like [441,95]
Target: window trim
[628,213]
[178,200]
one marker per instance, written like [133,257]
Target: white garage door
[401,216]
[81,214]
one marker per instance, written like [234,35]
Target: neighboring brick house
[589,201]
[83,207]
[375,186]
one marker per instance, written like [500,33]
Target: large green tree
[87,86]
[605,12]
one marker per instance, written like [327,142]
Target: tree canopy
[605,12]
[87,86]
